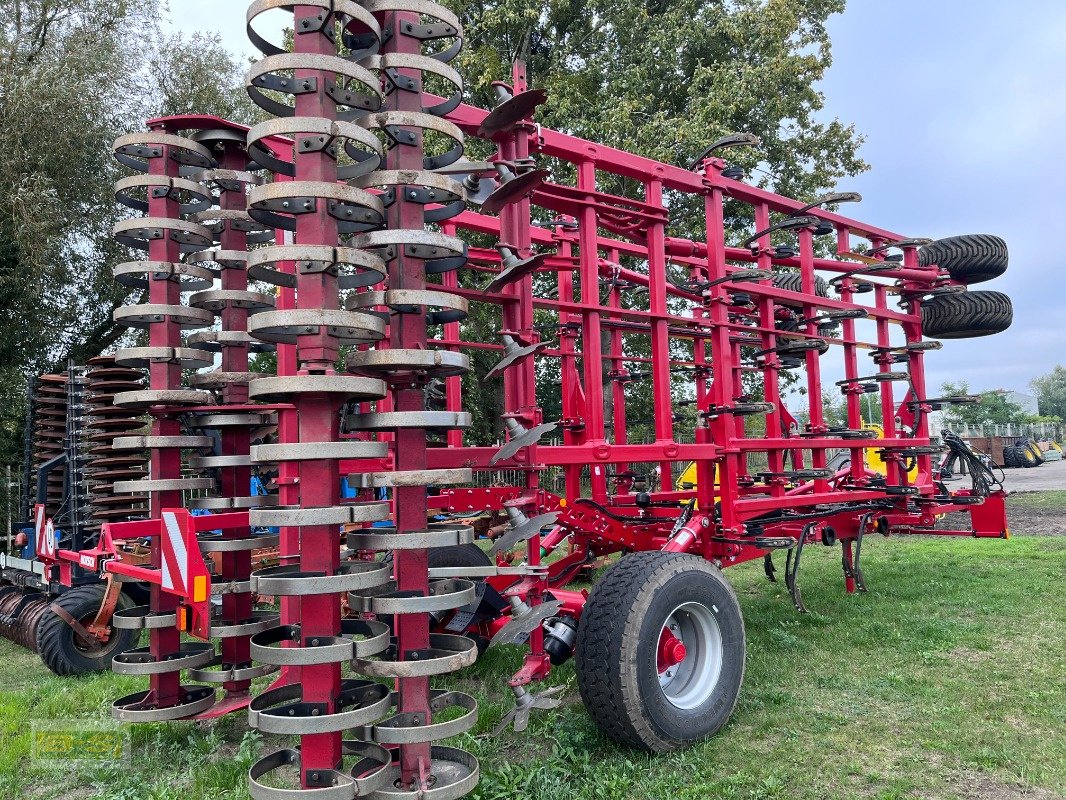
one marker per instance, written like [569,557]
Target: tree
[665,78]
[1051,392]
[73,77]
[197,75]
[992,408]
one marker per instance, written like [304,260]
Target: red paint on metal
[669,652]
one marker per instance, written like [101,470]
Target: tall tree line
[664,79]
[74,76]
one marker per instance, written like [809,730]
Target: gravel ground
[1023,518]
[1049,476]
[1028,520]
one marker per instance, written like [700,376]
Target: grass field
[946,680]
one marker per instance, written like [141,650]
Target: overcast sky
[963,105]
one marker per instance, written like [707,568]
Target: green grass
[947,675]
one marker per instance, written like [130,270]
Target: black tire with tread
[56,639]
[793,282]
[1029,454]
[616,670]
[971,258]
[463,555]
[966,315]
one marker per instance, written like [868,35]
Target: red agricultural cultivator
[352,236]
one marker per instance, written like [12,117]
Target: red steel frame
[719,336]
[720,446]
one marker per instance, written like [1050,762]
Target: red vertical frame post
[408,331]
[165,464]
[660,330]
[317,415]
[591,331]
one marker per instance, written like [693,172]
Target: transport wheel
[660,651]
[65,652]
[463,555]
[966,315]
[793,282]
[972,258]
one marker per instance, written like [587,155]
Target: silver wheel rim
[691,683]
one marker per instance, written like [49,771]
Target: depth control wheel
[660,651]
[65,652]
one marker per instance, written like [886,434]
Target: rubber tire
[1029,454]
[966,315]
[1010,456]
[972,258]
[463,555]
[616,661]
[793,282]
[55,638]
[1034,448]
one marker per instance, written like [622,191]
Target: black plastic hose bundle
[981,475]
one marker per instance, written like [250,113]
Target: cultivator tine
[513,353]
[514,186]
[521,437]
[512,109]
[826,199]
[514,268]
[920,241]
[522,529]
[856,569]
[768,567]
[789,223]
[792,565]
[524,704]
[730,140]
[524,620]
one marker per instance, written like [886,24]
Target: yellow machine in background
[875,462]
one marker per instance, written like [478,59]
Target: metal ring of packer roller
[368,268]
[358,143]
[282,710]
[265,75]
[432,363]
[394,420]
[289,580]
[349,327]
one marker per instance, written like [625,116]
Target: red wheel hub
[670,652]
